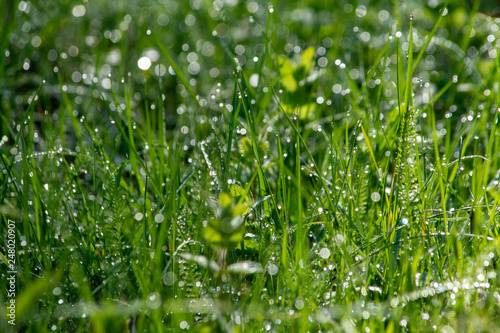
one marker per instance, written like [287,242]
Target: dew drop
[159,218]
[272,269]
[324,253]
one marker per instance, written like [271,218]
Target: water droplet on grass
[144,63]
[272,269]
[361,11]
[375,196]
[299,304]
[79,11]
[169,278]
[324,253]
[57,291]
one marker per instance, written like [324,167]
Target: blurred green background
[94,254]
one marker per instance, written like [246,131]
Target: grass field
[243,166]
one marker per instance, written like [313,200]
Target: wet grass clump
[245,166]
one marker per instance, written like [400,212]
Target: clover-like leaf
[245,267]
[236,191]
[226,230]
[201,260]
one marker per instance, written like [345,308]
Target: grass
[305,166]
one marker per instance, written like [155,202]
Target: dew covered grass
[242,166]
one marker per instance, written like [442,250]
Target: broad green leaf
[245,267]
[287,78]
[28,299]
[201,260]
[224,233]
[236,191]
[225,200]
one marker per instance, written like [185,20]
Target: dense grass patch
[249,166]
